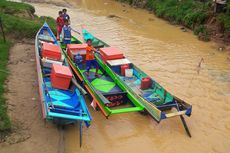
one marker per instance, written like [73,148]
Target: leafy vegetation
[19,19]
[224,19]
[14,7]
[190,13]
[19,22]
[23,27]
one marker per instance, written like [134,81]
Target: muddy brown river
[171,57]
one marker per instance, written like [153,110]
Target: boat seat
[167,105]
[115,93]
[46,38]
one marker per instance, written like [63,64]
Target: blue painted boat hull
[62,106]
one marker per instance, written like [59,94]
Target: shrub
[224,20]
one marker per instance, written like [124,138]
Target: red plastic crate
[74,49]
[146,83]
[60,76]
[123,68]
[111,53]
[51,51]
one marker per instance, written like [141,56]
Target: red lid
[62,70]
[111,51]
[76,46]
[51,47]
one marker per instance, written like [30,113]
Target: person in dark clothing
[65,15]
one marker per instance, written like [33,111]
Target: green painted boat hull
[97,95]
[158,110]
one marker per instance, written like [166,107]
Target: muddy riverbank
[29,132]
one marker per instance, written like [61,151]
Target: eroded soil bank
[29,134]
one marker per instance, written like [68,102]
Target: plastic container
[111,53]
[60,77]
[74,49]
[51,51]
[123,68]
[146,83]
[129,72]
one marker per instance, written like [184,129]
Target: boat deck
[155,95]
[61,98]
[103,82]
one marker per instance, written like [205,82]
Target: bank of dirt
[29,133]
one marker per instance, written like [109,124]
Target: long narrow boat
[158,102]
[62,106]
[108,94]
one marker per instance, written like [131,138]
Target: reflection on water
[171,57]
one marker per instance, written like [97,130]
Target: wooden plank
[175,114]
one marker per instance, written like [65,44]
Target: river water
[172,58]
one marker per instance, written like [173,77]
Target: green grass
[187,12]
[19,22]
[19,18]
[224,19]
[23,27]
[4,119]
[14,7]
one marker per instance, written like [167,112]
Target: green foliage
[15,7]
[224,19]
[4,118]
[228,7]
[22,27]
[200,29]
[194,18]
[187,12]
[25,24]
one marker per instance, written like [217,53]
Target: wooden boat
[158,102]
[61,106]
[108,94]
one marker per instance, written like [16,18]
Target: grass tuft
[4,118]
